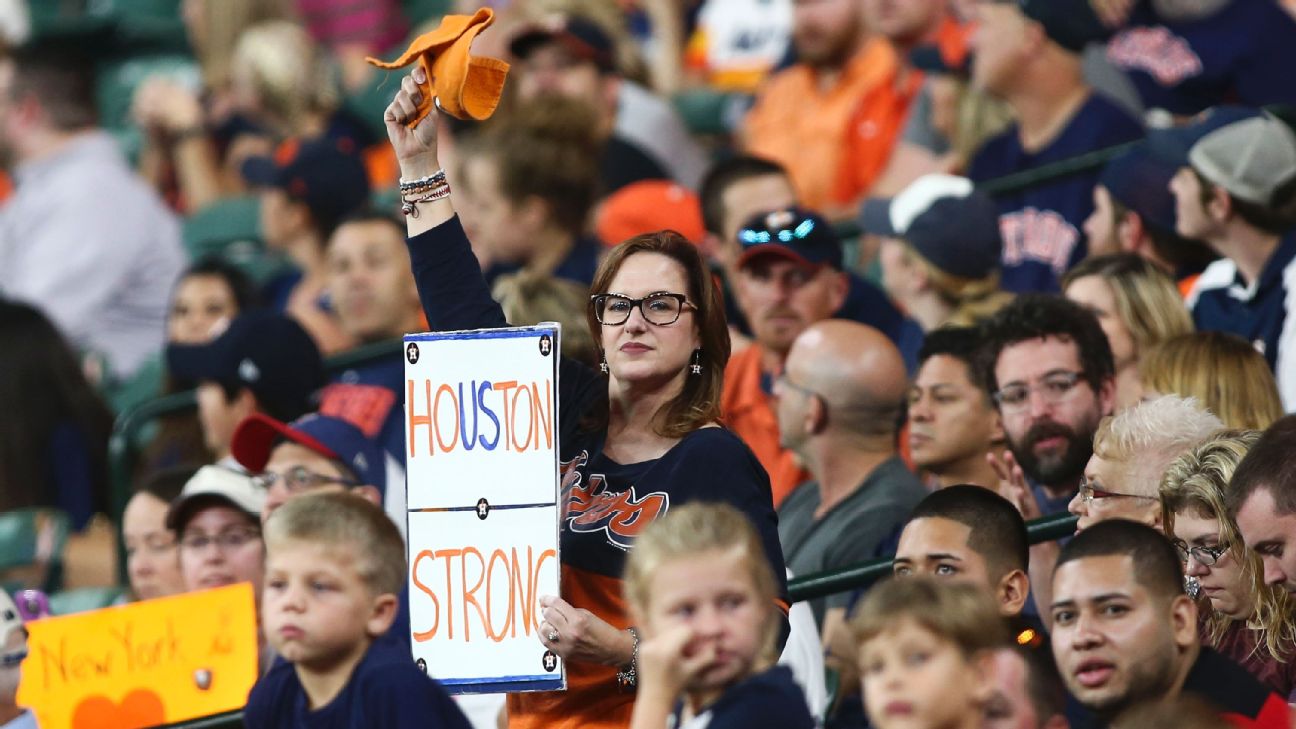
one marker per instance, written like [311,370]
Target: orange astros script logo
[590,508]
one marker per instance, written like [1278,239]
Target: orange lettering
[425,635]
[469,595]
[417,420]
[454,418]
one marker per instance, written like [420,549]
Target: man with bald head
[839,401]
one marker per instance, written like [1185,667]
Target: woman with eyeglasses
[1241,617]
[218,522]
[638,435]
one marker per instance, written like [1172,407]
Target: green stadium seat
[708,112]
[83,599]
[31,548]
[230,229]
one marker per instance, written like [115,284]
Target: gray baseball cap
[1250,159]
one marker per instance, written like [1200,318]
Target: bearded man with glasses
[1049,369]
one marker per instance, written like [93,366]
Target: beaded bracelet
[423,184]
[439,193]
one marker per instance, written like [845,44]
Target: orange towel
[468,87]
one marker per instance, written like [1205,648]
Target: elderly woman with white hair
[1131,452]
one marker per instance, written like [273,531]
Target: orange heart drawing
[139,708]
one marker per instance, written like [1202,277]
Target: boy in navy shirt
[1236,190]
[335,564]
[1029,55]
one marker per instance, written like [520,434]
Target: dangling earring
[603,365]
[696,367]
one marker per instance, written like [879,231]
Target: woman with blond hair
[1221,370]
[1242,618]
[1137,305]
[940,255]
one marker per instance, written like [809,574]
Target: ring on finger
[552,635]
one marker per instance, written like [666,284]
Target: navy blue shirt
[1041,225]
[769,699]
[371,398]
[386,691]
[580,264]
[1241,54]
[1222,301]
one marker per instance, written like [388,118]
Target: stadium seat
[31,548]
[82,599]
[229,229]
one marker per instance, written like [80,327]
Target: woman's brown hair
[698,404]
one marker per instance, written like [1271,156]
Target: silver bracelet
[628,678]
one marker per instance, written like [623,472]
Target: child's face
[316,610]
[914,679]
[713,596]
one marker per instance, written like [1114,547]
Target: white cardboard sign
[481,432]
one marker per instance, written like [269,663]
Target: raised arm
[450,283]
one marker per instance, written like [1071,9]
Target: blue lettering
[480,402]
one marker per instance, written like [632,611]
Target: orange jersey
[748,411]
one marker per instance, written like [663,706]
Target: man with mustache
[1050,372]
[789,277]
[1124,633]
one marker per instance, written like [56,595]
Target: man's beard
[1054,468]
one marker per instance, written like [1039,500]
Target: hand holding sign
[582,635]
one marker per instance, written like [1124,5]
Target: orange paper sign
[143,664]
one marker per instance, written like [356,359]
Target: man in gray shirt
[82,238]
[839,401]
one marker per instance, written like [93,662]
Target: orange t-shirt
[803,127]
[878,120]
[748,411]
[871,135]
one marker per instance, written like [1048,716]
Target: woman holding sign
[636,438]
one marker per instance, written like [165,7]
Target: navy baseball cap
[334,438]
[581,37]
[946,220]
[328,175]
[1172,145]
[268,353]
[1072,24]
[792,233]
[1140,181]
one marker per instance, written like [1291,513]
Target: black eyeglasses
[299,478]
[660,307]
[228,540]
[1205,556]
